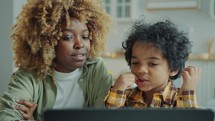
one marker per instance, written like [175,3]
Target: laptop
[161,114]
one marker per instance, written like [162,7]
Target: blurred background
[195,17]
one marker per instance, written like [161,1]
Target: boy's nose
[142,70]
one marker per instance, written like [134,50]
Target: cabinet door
[212,9]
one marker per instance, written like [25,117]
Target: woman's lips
[79,57]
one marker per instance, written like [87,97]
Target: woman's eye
[67,38]
[85,37]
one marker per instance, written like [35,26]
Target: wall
[6,20]
[9,9]
[195,21]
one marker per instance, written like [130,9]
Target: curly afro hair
[38,29]
[165,36]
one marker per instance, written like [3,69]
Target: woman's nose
[78,43]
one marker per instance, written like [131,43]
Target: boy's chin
[145,89]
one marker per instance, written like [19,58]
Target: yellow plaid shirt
[167,98]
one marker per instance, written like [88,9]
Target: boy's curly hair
[38,29]
[165,36]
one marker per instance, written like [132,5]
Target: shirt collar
[90,62]
[166,95]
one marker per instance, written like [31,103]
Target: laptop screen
[160,114]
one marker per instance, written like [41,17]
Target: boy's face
[73,48]
[150,67]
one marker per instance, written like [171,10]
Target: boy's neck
[148,96]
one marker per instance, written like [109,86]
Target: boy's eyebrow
[154,58]
[150,58]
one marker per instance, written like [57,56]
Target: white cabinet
[206,84]
[212,9]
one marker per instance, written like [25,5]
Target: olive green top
[95,82]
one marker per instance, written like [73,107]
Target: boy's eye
[134,63]
[152,64]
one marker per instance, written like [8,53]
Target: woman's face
[150,67]
[73,48]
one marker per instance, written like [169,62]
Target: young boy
[156,55]
[57,44]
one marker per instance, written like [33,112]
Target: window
[119,9]
[123,8]
[107,6]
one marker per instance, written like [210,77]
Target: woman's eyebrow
[73,29]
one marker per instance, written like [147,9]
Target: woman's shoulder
[24,73]
[25,77]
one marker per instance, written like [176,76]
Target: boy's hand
[190,77]
[124,81]
[27,109]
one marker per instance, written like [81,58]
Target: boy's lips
[141,80]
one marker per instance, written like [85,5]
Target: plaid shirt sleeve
[115,98]
[186,99]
